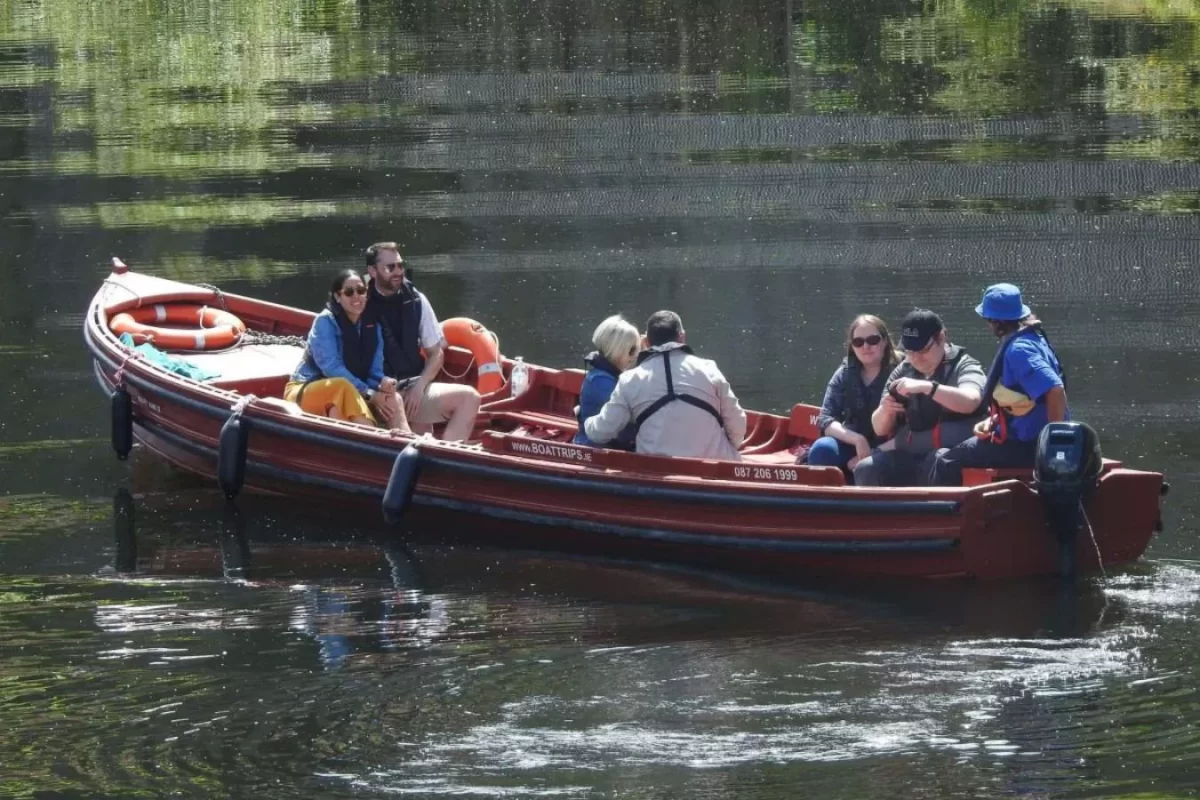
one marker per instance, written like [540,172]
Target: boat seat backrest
[803,422]
[550,390]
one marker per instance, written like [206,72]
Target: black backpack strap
[658,404]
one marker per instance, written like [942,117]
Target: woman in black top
[853,394]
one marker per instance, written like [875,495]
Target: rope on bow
[119,375]
[240,405]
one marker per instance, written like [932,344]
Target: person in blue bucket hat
[1025,391]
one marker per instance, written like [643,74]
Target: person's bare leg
[361,420]
[400,420]
[332,412]
[460,405]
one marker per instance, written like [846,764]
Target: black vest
[358,347]
[400,315]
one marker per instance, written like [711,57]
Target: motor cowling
[1066,469]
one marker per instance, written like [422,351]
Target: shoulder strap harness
[671,395]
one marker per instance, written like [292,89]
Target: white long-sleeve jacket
[678,428]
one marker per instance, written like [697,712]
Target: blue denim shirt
[325,347]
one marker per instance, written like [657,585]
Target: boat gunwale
[218,402]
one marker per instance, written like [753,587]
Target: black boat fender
[231,450]
[402,483]
[122,422]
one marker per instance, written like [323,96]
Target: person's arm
[1056,404]
[384,401]
[962,399]
[430,338]
[832,407]
[884,418]
[325,345]
[732,414]
[375,374]
[598,387]
[612,419]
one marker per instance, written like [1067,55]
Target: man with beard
[410,327]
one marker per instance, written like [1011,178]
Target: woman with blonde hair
[853,394]
[617,346]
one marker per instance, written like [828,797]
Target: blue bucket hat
[1002,301]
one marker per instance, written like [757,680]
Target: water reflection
[435,669]
[769,168]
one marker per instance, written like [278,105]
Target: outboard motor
[1065,471]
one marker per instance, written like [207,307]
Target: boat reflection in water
[359,596]
[348,596]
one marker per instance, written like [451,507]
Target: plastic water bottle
[519,380]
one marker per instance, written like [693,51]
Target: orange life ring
[463,332]
[217,329]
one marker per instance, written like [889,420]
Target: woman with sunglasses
[617,346]
[341,373]
[853,393]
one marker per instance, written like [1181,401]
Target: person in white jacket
[681,403]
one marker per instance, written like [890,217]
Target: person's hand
[891,405]
[385,406]
[983,428]
[853,462]
[907,387]
[862,449]
[413,396]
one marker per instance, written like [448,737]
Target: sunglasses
[860,341]
[390,267]
[354,290]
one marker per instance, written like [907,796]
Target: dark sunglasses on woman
[873,339]
[359,290]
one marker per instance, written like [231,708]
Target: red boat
[764,514]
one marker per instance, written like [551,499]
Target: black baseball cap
[919,327]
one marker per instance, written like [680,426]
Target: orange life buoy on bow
[463,332]
[216,328]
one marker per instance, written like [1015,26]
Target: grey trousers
[894,468]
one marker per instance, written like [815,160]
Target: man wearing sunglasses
[410,327]
[933,400]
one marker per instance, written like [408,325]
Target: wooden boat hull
[552,497]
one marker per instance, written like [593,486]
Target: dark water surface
[768,169]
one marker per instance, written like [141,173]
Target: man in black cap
[934,399]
